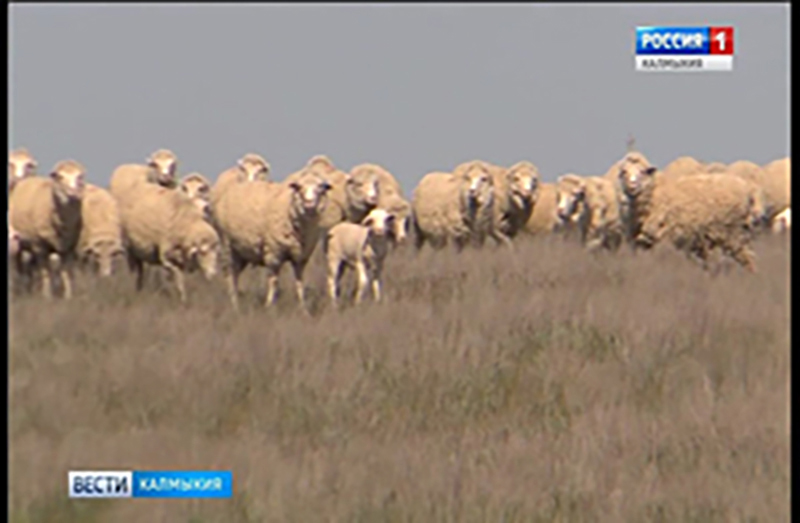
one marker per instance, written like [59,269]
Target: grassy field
[544,386]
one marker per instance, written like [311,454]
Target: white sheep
[454,207]
[45,214]
[164,227]
[21,165]
[269,224]
[591,205]
[249,168]
[362,247]
[703,212]
[544,216]
[160,169]
[197,188]
[100,240]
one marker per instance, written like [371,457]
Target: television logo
[679,49]
[150,484]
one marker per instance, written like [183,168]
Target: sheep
[401,210]
[637,179]
[682,166]
[164,227]
[544,217]
[362,247]
[390,197]
[21,165]
[45,214]
[589,204]
[778,184]
[363,191]
[515,193]
[160,169]
[197,188]
[100,240]
[454,207]
[248,168]
[269,224]
[782,221]
[339,207]
[699,213]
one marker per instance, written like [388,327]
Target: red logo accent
[720,40]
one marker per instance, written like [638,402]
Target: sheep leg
[65,272]
[363,282]
[235,268]
[299,285]
[47,283]
[177,274]
[376,284]
[745,257]
[334,275]
[272,287]
[138,267]
[501,238]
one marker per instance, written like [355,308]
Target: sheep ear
[650,171]
[368,221]
[55,175]
[295,186]
[326,186]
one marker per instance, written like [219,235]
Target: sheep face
[102,255]
[20,165]
[477,188]
[783,221]
[165,164]
[254,168]
[196,187]
[570,197]
[363,190]
[309,194]
[380,222]
[523,183]
[635,174]
[70,179]
[204,252]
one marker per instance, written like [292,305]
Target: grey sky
[415,88]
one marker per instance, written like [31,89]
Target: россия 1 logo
[678,49]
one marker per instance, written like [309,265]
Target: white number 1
[721,39]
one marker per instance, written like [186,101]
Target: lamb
[269,224]
[591,205]
[100,240]
[197,188]
[454,207]
[544,216]
[702,212]
[782,221]
[362,247]
[248,168]
[45,214]
[515,193]
[164,227]
[21,165]
[160,169]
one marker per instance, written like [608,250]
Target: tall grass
[544,385]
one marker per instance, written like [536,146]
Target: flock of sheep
[151,217]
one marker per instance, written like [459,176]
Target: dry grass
[548,385]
